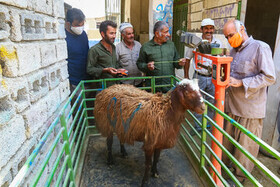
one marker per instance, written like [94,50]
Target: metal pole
[220,100]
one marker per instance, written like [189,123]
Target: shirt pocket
[124,59]
[245,69]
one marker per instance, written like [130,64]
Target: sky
[91,8]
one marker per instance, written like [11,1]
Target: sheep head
[189,96]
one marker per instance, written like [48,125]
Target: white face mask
[77,30]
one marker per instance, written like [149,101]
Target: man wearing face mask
[128,53]
[157,50]
[252,71]
[77,46]
[102,60]
[205,78]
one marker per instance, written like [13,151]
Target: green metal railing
[68,132]
[199,151]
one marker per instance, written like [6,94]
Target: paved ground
[174,168]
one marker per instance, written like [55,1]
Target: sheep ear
[181,96]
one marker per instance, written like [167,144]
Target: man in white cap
[127,54]
[205,78]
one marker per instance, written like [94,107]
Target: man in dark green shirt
[157,56]
[102,61]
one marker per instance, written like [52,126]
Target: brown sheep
[154,119]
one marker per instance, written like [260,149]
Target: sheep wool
[135,115]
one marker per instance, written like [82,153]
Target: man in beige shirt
[252,71]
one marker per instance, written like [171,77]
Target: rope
[166,62]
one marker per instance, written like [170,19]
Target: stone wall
[219,10]
[33,77]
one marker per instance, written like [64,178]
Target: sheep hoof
[155,175]
[110,161]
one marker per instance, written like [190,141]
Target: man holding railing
[252,71]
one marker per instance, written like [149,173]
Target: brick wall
[33,77]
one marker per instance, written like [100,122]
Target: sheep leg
[109,149]
[148,163]
[154,167]
[123,151]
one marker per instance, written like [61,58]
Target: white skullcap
[207,21]
[124,26]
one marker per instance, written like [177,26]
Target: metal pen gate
[68,132]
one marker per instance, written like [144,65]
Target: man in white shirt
[205,77]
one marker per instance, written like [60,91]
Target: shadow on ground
[174,168]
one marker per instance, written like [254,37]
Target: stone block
[22,155]
[7,110]
[36,116]
[219,23]
[6,177]
[194,1]
[17,3]
[217,3]
[197,16]
[18,88]
[15,25]
[54,74]
[51,28]
[38,85]
[196,7]
[32,27]
[53,101]
[195,26]
[12,137]
[4,19]
[63,70]
[61,50]
[8,57]
[58,9]
[64,90]
[61,29]
[221,12]
[28,57]
[45,7]
[48,53]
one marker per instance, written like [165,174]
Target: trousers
[255,126]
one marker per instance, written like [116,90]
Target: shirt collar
[113,46]
[126,45]
[154,43]
[246,43]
